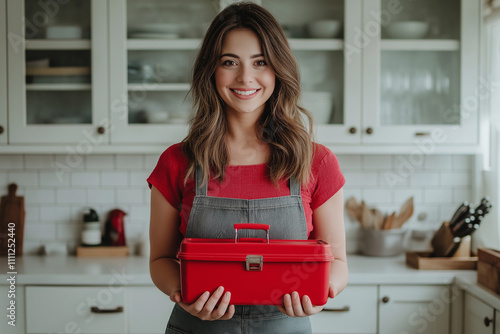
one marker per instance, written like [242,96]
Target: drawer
[153,318]
[352,311]
[75,309]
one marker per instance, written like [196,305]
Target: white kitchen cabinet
[71,309]
[3,73]
[497,322]
[148,310]
[342,314]
[478,316]
[13,314]
[427,88]
[66,101]
[414,309]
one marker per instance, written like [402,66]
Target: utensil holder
[447,245]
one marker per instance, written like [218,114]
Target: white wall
[55,197]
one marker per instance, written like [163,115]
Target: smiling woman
[248,157]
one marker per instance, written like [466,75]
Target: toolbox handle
[254,226]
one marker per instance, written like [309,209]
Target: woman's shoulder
[321,153]
[173,156]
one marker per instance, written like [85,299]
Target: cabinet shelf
[178,87]
[420,45]
[61,87]
[316,44]
[163,44]
[63,44]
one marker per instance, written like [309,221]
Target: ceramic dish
[407,30]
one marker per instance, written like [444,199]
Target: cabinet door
[421,72]
[497,322]
[343,313]
[14,313]
[3,73]
[58,72]
[75,309]
[148,310]
[478,316]
[414,309]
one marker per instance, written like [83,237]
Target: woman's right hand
[204,307]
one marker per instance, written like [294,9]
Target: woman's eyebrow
[238,57]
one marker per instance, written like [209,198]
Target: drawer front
[151,319]
[352,311]
[75,310]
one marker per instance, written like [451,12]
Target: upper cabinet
[421,71]
[374,73]
[3,73]
[58,71]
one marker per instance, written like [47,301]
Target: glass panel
[308,19]
[420,19]
[71,66]
[57,19]
[322,78]
[160,66]
[58,107]
[420,87]
[169,19]
[159,107]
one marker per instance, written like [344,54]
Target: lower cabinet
[12,303]
[497,322]
[352,311]
[70,309]
[414,309]
[148,310]
[479,317]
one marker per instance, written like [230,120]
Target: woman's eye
[228,63]
[260,63]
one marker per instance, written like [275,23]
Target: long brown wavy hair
[281,124]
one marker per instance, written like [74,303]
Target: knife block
[446,245]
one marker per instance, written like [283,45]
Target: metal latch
[254,262]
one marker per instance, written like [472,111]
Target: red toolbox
[255,271]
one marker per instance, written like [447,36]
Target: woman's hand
[204,307]
[294,307]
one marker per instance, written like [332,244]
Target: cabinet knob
[487,321]
[385,300]
[1,129]
[369,131]
[101,130]
[352,130]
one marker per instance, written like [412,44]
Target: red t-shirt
[245,182]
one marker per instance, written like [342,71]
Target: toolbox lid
[276,250]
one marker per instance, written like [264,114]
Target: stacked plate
[156,30]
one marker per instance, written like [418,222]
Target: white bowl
[319,104]
[157,116]
[324,28]
[407,29]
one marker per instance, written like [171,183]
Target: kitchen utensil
[389,220]
[378,218]
[256,271]
[114,233]
[382,242]
[366,217]
[324,28]
[405,213]
[407,29]
[11,222]
[462,209]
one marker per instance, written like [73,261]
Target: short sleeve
[168,175]
[328,177]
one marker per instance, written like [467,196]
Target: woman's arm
[328,220]
[164,267]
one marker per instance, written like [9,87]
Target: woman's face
[243,78]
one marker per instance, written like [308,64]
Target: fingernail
[228,294]
[206,294]
[220,289]
[295,295]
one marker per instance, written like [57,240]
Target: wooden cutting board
[11,221]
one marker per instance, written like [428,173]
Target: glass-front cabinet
[3,73]
[58,74]
[421,71]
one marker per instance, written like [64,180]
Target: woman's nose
[245,74]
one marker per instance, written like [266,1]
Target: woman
[246,142]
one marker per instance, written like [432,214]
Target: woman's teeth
[244,92]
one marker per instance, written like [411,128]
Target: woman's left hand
[295,307]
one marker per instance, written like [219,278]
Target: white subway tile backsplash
[129,162]
[57,188]
[11,162]
[23,179]
[119,179]
[87,179]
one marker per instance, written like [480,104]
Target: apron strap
[294,187]
[201,190]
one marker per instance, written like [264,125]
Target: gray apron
[214,218]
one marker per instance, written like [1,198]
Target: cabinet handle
[343,309]
[369,131]
[487,321]
[385,300]
[422,134]
[1,129]
[352,130]
[95,309]
[101,130]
